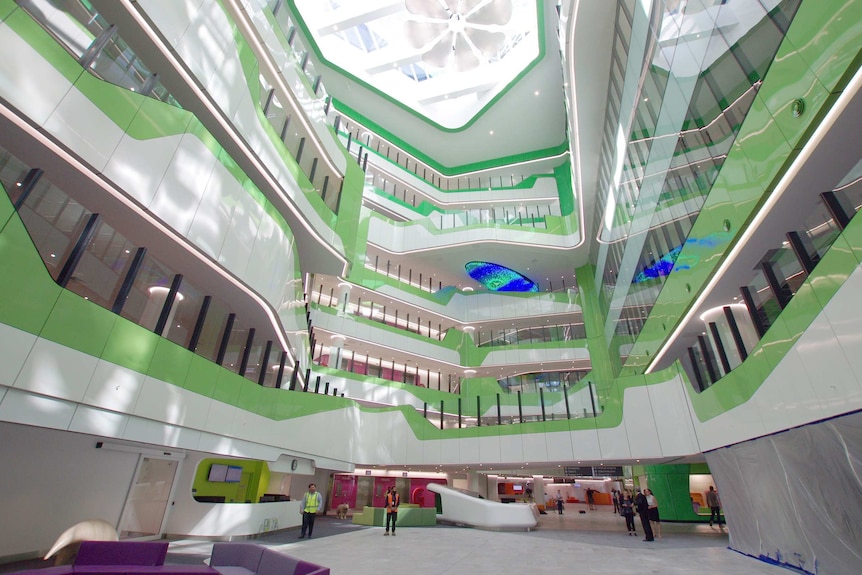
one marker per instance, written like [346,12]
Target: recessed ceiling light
[491,132]
[536,92]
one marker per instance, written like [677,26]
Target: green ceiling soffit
[432,163]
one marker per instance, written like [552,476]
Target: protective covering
[795,498]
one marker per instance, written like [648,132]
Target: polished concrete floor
[593,543]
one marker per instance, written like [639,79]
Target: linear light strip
[241,19]
[206,100]
[71,160]
[825,126]
[577,182]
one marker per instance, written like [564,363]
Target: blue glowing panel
[659,268]
[671,260]
[499,278]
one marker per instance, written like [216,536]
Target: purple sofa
[252,559]
[122,558]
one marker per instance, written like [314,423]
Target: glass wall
[89,257]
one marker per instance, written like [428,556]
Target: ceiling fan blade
[428,8]
[494,13]
[439,55]
[420,34]
[465,59]
[488,43]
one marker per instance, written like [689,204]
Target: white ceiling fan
[457,33]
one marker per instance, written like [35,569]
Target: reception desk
[226,520]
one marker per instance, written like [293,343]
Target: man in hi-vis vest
[393,500]
[310,504]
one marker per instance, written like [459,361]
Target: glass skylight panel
[445,59]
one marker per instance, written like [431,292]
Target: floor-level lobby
[594,542]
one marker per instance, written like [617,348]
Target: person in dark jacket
[627,510]
[642,507]
[393,500]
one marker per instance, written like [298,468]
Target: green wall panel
[670,484]
[26,289]
[156,119]
[131,346]
[79,324]
[119,104]
[836,265]
[827,39]
[791,79]
[170,363]
[6,8]
[227,387]
[202,376]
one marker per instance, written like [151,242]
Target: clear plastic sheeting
[795,498]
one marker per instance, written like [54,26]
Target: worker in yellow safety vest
[310,504]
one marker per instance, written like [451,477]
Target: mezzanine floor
[595,542]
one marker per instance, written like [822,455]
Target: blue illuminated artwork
[671,260]
[499,278]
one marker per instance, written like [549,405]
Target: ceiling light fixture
[457,33]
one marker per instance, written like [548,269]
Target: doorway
[147,502]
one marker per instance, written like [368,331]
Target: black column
[734,330]
[169,304]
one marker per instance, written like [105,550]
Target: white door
[144,513]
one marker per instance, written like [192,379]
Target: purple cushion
[59,570]
[275,563]
[121,553]
[233,570]
[145,570]
[306,568]
[246,555]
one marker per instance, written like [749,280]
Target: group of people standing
[645,505]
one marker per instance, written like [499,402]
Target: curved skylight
[445,59]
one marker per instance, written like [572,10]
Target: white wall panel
[52,480]
[138,166]
[83,127]
[13,353]
[512,448]
[489,449]
[535,448]
[113,387]
[827,367]
[28,81]
[267,272]
[212,220]
[468,450]
[239,240]
[614,443]
[23,407]
[843,315]
[158,433]
[559,445]
[55,370]
[171,404]
[178,196]
[98,422]
[220,418]
[673,423]
[787,399]
[207,43]
[172,18]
